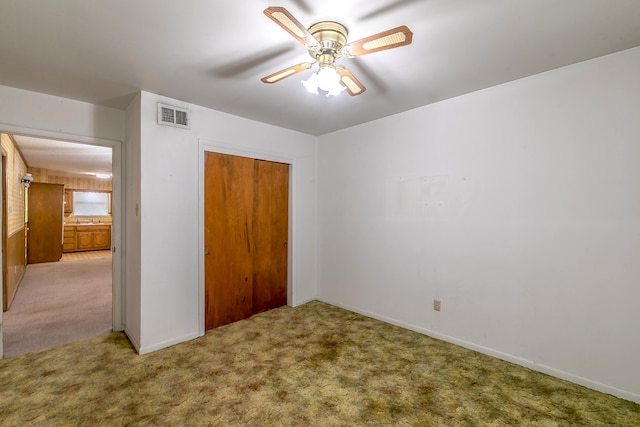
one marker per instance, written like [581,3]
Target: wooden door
[245,238]
[44,240]
[270,233]
[228,222]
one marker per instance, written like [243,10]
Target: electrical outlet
[436,304]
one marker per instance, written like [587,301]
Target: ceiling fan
[327,42]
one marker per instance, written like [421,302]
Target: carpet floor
[58,303]
[314,365]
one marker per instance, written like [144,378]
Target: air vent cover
[173,116]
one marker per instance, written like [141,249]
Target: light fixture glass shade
[327,80]
[311,84]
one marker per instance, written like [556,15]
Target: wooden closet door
[228,223]
[270,231]
[246,230]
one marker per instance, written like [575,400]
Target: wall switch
[436,304]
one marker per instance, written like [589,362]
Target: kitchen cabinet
[69,239]
[87,237]
[68,201]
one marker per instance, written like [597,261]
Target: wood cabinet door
[246,229]
[84,240]
[68,201]
[101,239]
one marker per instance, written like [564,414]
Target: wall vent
[173,116]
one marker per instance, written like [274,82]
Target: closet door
[228,225]
[246,229]
[270,231]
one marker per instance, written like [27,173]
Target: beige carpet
[58,303]
[313,365]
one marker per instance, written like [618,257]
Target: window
[86,203]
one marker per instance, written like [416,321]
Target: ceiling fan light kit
[327,42]
[326,79]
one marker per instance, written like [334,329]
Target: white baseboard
[132,340]
[303,302]
[604,388]
[168,343]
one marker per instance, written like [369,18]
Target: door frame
[205,146]
[3,237]
[117,197]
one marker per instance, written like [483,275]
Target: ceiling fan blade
[353,85]
[302,4]
[396,37]
[397,4]
[282,17]
[245,66]
[287,72]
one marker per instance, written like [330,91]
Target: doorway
[114,268]
[246,226]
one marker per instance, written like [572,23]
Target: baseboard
[131,338]
[594,385]
[165,344]
[303,302]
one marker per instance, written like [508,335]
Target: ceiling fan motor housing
[331,37]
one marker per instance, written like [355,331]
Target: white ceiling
[213,53]
[65,157]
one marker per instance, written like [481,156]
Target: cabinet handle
[207,253]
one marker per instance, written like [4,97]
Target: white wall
[170,212]
[40,115]
[517,206]
[132,244]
